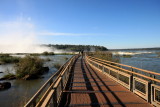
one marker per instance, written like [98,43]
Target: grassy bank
[105,56]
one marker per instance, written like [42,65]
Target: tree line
[77,48]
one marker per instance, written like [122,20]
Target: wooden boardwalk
[90,88]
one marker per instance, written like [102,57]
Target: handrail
[50,81]
[144,76]
[95,61]
[147,71]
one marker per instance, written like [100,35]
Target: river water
[148,59]
[22,90]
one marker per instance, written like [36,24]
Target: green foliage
[47,53]
[105,56]
[29,66]
[6,58]
[57,65]
[77,48]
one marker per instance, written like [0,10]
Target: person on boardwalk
[82,53]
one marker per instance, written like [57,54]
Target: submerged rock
[5,85]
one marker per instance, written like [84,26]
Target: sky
[115,24]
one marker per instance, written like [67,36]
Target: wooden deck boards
[90,88]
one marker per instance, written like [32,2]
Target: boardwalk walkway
[87,87]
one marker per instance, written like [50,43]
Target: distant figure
[82,53]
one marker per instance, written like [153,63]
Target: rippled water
[22,90]
[149,61]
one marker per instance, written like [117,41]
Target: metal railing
[50,93]
[142,82]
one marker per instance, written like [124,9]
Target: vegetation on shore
[29,68]
[105,56]
[44,53]
[6,58]
[77,48]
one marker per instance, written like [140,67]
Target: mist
[20,36]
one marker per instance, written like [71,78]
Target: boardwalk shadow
[93,98]
[115,96]
[100,89]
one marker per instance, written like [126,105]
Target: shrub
[30,67]
[47,53]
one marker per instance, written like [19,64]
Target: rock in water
[5,85]
[45,69]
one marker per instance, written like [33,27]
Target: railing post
[51,81]
[98,66]
[131,81]
[62,81]
[109,72]
[103,69]
[149,92]
[117,75]
[34,103]
[55,98]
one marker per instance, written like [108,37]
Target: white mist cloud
[19,36]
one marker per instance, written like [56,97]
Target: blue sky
[110,23]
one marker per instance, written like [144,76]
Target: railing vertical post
[55,98]
[149,92]
[62,81]
[117,75]
[51,81]
[34,103]
[98,66]
[131,81]
[109,72]
[103,69]
[153,76]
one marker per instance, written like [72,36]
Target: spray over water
[19,37]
